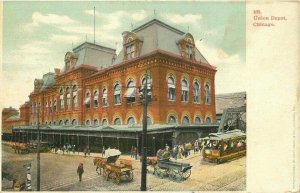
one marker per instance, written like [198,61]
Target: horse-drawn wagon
[164,166]
[111,167]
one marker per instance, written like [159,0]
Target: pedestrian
[88,151]
[80,171]
[73,149]
[85,151]
[132,152]
[135,153]
[63,149]
[103,151]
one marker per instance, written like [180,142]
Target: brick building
[11,117]
[95,99]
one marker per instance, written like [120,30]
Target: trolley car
[220,147]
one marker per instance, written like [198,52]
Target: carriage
[220,147]
[166,167]
[114,168]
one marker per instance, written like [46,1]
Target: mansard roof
[157,35]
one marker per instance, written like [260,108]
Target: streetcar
[223,146]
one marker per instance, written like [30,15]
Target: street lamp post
[38,151]
[144,140]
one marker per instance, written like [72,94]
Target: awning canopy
[87,100]
[117,92]
[185,88]
[130,92]
[171,85]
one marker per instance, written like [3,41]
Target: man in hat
[80,171]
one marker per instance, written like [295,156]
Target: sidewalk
[123,156]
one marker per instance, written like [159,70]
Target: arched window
[186,120]
[46,107]
[171,88]
[172,119]
[54,122]
[208,120]
[96,98]
[74,122]
[96,122]
[117,121]
[131,121]
[117,94]
[104,122]
[50,123]
[184,90]
[67,122]
[149,86]
[46,123]
[75,96]
[87,100]
[87,122]
[50,106]
[197,120]
[130,92]
[54,106]
[196,92]
[68,91]
[61,122]
[104,97]
[207,94]
[61,99]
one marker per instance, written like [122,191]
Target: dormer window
[130,49]
[187,46]
[70,60]
[189,49]
[131,45]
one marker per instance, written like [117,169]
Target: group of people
[68,148]
[180,151]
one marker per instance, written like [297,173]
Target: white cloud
[47,19]
[184,19]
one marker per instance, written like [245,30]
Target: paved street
[58,172]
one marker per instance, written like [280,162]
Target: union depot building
[96,99]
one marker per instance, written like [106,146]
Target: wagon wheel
[130,175]
[161,172]
[171,174]
[116,178]
[185,174]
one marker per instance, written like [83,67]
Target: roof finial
[154,12]
[188,28]
[94,26]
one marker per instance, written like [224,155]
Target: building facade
[99,93]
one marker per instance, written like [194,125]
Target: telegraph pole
[144,140]
[38,180]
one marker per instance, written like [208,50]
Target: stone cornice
[154,58]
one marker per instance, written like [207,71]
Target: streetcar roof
[225,135]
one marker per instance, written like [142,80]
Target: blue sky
[37,35]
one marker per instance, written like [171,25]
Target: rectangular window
[130,50]
[117,99]
[196,99]
[96,104]
[171,93]
[189,51]
[184,95]
[104,101]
